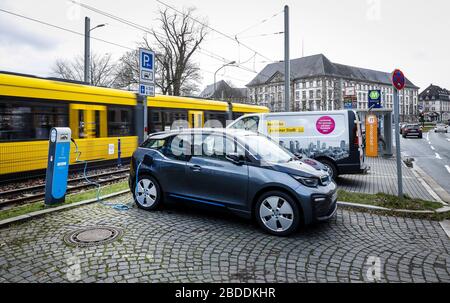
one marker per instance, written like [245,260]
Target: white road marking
[428,136]
[432,147]
[438,157]
[448,168]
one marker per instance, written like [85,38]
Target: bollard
[119,153]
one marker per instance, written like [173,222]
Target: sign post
[146,79]
[398,81]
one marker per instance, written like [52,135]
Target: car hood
[301,168]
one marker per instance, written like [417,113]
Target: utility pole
[287,62]
[87,49]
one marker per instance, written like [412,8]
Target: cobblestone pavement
[186,245]
[382,178]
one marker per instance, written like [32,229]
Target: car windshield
[267,150]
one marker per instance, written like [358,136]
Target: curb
[446,227]
[434,186]
[404,211]
[40,213]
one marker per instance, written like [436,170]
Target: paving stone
[185,246]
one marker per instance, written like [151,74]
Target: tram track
[27,195]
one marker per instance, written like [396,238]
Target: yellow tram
[99,117]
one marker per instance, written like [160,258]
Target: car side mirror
[148,160]
[235,158]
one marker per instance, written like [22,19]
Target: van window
[248,123]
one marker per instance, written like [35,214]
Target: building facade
[319,84]
[435,103]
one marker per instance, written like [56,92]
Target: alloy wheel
[276,214]
[146,193]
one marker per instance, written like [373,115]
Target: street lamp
[228,64]
[87,47]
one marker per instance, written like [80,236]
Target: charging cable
[120,206]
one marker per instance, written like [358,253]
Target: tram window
[120,121]
[164,119]
[23,121]
[237,115]
[216,116]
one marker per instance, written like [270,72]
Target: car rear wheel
[147,193]
[277,213]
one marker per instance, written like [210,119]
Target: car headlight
[307,181]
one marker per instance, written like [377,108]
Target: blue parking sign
[147,60]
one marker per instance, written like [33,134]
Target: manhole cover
[91,236]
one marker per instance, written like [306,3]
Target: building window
[297,95]
[311,94]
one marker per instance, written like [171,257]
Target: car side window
[249,123]
[156,144]
[178,148]
[218,146]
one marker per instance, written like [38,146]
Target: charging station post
[58,165]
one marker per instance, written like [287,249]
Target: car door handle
[195,168]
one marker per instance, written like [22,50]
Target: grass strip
[388,201]
[73,198]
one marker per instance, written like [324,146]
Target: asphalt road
[432,154]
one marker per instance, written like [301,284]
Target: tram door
[88,121]
[196,119]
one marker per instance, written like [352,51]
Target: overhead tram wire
[149,31]
[81,34]
[215,30]
[259,23]
[62,28]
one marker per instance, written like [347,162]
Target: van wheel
[331,168]
[277,213]
[147,193]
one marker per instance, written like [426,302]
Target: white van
[333,138]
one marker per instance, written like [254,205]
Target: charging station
[58,165]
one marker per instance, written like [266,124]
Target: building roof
[434,92]
[319,65]
[231,92]
[208,92]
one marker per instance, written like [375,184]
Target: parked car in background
[402,126]
[412,130]
[238,170]
[441,128]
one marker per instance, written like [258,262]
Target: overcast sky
[378,34]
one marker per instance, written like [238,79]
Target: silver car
[441,128]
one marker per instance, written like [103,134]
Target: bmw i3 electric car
[246,173]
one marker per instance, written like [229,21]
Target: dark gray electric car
[239,170]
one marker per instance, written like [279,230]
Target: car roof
[233,132]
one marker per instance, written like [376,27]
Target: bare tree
[102,69]
[176,72]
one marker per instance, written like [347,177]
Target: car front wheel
[277,213]
[147,193]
